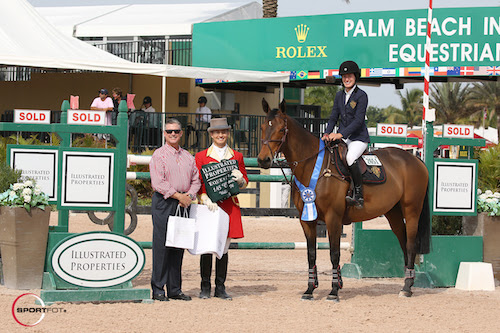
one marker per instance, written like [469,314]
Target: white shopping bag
[180,230]
[211,230]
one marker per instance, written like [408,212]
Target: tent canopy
[27,39]
[144,19]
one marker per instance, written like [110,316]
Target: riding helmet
[350,67]
[202,99]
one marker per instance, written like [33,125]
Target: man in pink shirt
[175,179]
[103,103]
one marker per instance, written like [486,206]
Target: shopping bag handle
[178,212]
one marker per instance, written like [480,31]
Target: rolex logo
[302,51]
[301,31]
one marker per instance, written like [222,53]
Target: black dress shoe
[181,297]
[160,297]
[222,295]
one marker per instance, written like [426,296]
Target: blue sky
[382,96]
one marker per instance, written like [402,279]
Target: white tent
[144,19]
[27,39]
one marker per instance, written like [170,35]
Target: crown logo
[301,31]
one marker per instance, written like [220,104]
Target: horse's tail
[423,241]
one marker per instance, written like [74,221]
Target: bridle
[292,164]
[281,141]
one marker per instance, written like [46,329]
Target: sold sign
[458,131]
[392,130]
[31,116]
[86,117]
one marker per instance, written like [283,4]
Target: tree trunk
[269,8]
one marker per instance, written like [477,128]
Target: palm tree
[412,106]
[450,101]
[322,96]
[486,95]
[393,115]
[269,8]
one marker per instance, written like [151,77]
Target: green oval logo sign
[97,259]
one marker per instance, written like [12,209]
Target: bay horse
[403,198]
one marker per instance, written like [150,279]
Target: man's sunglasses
[170,131]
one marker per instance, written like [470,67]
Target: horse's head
[274,130]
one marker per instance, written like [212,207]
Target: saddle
[371,167]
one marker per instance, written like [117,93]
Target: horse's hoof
[333,298]
[307,297]
[404,293]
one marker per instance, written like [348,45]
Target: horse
[403,198]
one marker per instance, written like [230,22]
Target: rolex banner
[218,181]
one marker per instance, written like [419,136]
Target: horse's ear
[265,106]
[283,106]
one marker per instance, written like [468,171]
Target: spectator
[147,105]
[203,116]
[103,103]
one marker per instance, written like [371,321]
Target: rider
[350,105]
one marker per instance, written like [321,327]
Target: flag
[480,70]
[302,75]
[365,72]
[400,71]
[331,72]
[467,70]
[293,75]
[375,71]
[493,70]
[388,71]
[440,70]
[453,70]
[313,75]
[413,71]
[485,113]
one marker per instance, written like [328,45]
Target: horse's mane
[300,126]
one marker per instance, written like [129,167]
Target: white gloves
[238,177]
[212,206]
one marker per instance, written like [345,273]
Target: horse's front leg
[312,282]
[334,233]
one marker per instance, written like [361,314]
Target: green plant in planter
[488,202]
[8,176]
[489,168]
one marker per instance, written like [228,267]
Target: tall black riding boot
[220,277]
[205,271]
[357,179]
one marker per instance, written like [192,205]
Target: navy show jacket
[352,115]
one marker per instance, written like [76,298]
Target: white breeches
[354,150]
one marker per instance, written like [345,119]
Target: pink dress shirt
[173,170]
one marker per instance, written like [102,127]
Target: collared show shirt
[173,170]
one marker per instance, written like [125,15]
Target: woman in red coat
[218,151]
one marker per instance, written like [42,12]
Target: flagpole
[426,76]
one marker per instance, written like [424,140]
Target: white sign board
[37,164]
[97,259]
[458,131]
[455,187]
[392,130]
[31,116]
[86,117]
[87,179]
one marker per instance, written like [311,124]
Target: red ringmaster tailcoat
[230,205]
